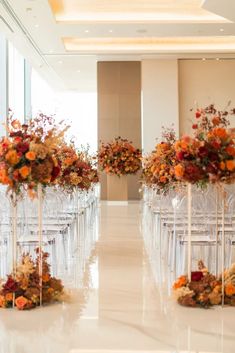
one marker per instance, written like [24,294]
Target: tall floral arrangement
[78,169]
[119,157]
[158,167]
[208,155]
[28,154]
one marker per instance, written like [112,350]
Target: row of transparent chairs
[166,228]
[69,230]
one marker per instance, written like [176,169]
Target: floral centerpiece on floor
[158,167]
[119,157]
[204,289]
[78,169]
[28,154]
[25,285]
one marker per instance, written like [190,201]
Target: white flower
[26,267]
[182,292]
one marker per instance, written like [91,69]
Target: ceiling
[64,39]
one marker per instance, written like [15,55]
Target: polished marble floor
[119,309]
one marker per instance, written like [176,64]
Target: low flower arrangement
[28,154]
[205,290]
[78,169]
[24,285]
[119,157]
[158,167]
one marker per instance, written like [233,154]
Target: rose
[180,155]
[10,285]
[22,147]
[196,276]
[203,152]
[21,302]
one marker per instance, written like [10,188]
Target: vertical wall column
[3,84]
[27,91]
[119,109]
[160,101]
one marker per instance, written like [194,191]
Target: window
[16,82]
[78,108]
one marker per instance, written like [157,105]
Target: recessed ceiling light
[141,30]
[60,62]
[51,51]
[217,59]
[36,26]
[78,71]
[221,29]
[203,59]
[110,31]
[87,31]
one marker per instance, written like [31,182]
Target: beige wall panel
[202,83]
[119,109]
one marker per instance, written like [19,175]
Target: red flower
[22,147]
[198,114]
[180,155]
[215,144]
[203,152]
[10,285]
[194,126]
[196,276]
[55,173]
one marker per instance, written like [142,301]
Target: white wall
[159,99]
[202,82]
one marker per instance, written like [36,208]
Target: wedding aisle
[119,308]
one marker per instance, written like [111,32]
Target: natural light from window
[79,109]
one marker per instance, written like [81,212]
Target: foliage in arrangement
[158,167]
[78,169]
[207,156]
[24,285]
[28,154]
[119,157]
[204,289]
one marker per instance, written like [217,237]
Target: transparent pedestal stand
[219,189]
[40,240]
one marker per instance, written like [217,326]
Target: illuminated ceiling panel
[132,11]
[149,44]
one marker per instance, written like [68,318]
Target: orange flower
[230,165]
[163,179]
[231,151]
[181,281]
[45,277]
[12,157]
[50,290]
[2,301]
[220,132]
[9,297]
[184,145]
[229,289]
[222,165]
[21,302]
[179,170]
[216,120]
[24,171]
[31,155]
[32,193]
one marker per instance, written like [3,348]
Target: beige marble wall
[119,109]
[202,83]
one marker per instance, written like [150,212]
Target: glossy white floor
[123,311]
